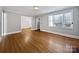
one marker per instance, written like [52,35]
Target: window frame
[52,21]
[63,12]
[62,18]
[72,20]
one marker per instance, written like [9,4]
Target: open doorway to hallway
[26,22]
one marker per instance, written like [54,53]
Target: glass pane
[50,20]
[58,19]
[68,22]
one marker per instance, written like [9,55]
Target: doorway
[38,23]
[26,22]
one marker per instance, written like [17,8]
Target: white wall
[0,21]
[26,22]
[34,23]
[13,22]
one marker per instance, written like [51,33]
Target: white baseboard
[0,38]
[25,27]
[33,29]
[67,35]
[12,33]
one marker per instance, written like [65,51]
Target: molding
[67,35]
[25,27]
[34,29]
[0,39]
[15,12]
[12,33]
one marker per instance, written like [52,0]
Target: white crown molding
[35,14]
[15,12]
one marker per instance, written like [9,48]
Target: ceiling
[29,11]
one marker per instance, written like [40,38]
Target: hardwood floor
[36,42]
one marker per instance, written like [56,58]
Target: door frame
[4,24]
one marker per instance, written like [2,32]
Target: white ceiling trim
[11,11]
[28,11]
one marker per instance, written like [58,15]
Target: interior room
[39,29]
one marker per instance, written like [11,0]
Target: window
[64,20]
[58,20]
[26,22]
[68,22]
[51,21]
